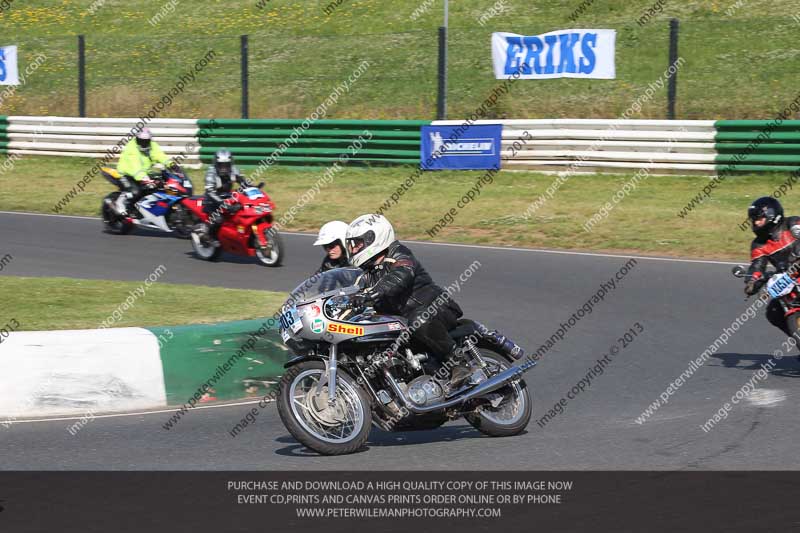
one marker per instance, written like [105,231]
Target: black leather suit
[400,285]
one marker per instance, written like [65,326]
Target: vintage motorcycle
[355,367]
[162,210]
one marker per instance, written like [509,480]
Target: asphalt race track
[683,307]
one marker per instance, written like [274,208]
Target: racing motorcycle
[354,368]
[782,285]
[246,230]
[162,210]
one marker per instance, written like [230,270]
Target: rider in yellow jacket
[135,163]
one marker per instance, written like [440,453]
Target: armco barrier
[3,134]
[598,145]
[123,369]
[557,145]
[94,137]
[321,142]
[758,145]
[661,146]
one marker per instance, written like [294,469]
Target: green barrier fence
[4,140]
[318,143]
[757,145]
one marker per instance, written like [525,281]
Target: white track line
[139,413]
[476,246]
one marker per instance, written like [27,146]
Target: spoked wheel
[181,221]
[509,409]
[112,222]
[330,429]
[272,255]
[202,249]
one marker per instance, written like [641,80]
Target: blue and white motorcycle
[164,209]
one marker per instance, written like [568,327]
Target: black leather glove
[360,300]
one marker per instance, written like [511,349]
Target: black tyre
[112,222]
[336,429]
[512,415]
[204,251]
[273,256]
[793,323]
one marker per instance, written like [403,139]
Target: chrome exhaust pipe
[490,385]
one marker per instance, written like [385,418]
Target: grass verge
[65,303]
[644,222]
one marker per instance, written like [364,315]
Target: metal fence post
[81,76]
[441,98]
[245,79]
[672,81]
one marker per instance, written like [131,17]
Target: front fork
[329,377]
[259,230]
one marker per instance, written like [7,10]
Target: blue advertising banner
[461,147]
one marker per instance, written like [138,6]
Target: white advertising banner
[8,66]
[558,54]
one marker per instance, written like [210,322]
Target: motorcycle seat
[464,328]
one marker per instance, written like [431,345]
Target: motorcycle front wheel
[329,429]
[513,412]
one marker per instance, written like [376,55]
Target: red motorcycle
[246,229]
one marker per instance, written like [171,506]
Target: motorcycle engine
[425,390]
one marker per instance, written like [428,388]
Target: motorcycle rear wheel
[509,418]
[793,323]
[181,220]
[208,253]
[329,430]
[112,222]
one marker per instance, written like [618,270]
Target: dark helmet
[143,138]
[223,163]
[765,207]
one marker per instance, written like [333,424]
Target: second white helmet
[374,231]
[335,230]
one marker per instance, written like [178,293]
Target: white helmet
[336,230]
[377,234]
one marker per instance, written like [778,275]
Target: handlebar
[739,272]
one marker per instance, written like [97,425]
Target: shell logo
[345,329]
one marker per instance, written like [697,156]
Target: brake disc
[322,411]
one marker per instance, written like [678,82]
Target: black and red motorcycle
[784,286]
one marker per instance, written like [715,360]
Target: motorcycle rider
[776,243]
[332,237]
[398,284]
[136,161]
[219,181]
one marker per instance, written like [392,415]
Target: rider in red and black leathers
[776,243]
